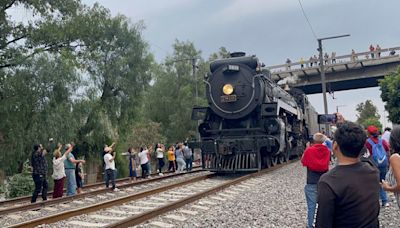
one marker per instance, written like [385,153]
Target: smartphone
[327,119]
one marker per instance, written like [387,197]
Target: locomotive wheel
[274,160]
[286,157]
[281,159]
[268,161]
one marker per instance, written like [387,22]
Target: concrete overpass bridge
[354,71]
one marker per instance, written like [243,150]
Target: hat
[107,149]
[372,130]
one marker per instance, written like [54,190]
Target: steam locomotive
[250,123]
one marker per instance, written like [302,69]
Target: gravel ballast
[277,200]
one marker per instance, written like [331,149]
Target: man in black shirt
[348,195]
[39,166]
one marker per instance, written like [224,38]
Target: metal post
[322,71]
[197,93]
[195,78]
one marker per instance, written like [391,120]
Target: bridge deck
[349,71]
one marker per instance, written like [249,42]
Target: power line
[308,21]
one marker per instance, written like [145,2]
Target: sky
[271,29]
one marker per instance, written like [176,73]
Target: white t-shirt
[386,136]
[109,164]
[160,153]
[58,167]
[143,157]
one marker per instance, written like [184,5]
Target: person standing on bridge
[353,55]
[316,158]
[315,60]
[288,62]
[378,50]
[348,195]
[372,49]
[301,62]
[326,57]
[333,56]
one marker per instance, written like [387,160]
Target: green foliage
[72,73]
[372,121]
[171,99]
[145,134]
[20,184]
[368,114]
[52,25]
[390,88]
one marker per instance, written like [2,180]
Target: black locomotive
[250,123]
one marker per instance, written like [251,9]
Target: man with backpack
[378,152]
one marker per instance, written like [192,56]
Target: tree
[52,25]
[118,62]
[368,114]
[390,88]
[71,72]
[171,99]
[36,105]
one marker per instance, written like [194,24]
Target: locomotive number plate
[228,98]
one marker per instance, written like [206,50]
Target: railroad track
[17,214]
[18,201]
[136,208]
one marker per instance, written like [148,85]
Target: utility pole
[322,72]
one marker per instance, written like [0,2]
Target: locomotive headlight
[227,89]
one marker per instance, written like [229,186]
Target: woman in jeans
[392,183]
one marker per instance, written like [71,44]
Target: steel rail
[41,204]
[114,202]
[138,219]
[85,187]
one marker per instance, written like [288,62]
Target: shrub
[20,184]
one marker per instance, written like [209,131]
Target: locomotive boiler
[250,123]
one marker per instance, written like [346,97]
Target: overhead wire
[308,21]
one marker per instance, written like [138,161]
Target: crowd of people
[66,168]
[375,52]
[351,192]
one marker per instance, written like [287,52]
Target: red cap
[372,130]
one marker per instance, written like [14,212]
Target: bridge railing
[338,60]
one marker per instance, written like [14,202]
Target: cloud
[138,10]
[239,9]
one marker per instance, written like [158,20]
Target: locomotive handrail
[349,58]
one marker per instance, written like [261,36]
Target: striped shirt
[392,182]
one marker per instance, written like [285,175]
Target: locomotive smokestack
[237,54]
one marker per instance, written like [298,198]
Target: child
[79,177]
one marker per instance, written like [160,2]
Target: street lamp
[322,70]
[337,107]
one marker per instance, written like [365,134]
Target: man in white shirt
[386,134]
[109,161]
[144,160]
